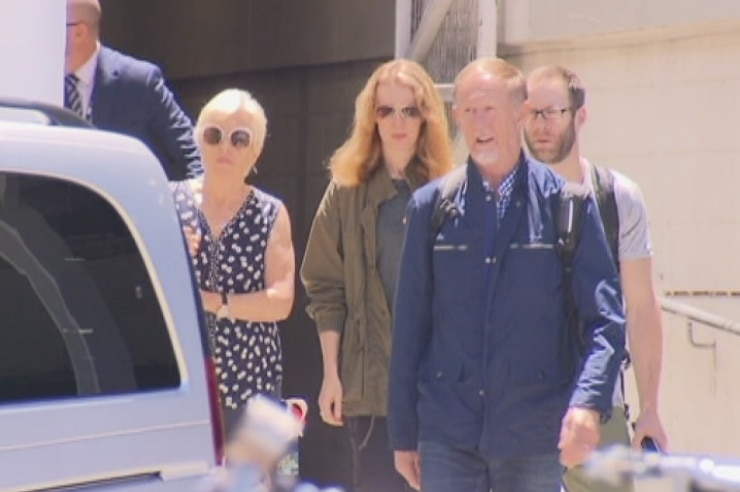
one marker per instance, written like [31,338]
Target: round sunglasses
[240,138]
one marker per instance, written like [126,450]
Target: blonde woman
[240,241]
[399,141]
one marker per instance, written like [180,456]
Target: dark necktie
[72,98]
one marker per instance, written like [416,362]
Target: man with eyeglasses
[555,117]
[119,93]
[485,394]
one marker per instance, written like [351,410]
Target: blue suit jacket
[478,360]
[129,96]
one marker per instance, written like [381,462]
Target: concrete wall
[536,21]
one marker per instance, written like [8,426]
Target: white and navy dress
[248,355]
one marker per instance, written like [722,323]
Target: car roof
[28,111]
[75,146]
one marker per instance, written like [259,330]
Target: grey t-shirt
[634,233]
[391,215]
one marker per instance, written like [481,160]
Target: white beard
[486,158]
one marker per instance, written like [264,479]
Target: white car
[106,380]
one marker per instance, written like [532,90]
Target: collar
[380,185]
[506,188]
[86,73]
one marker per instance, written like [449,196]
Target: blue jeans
[445,469]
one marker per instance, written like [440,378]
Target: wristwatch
[223,311]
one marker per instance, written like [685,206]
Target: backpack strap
[569,218]
[568,227]
[603,180]
[445,205]
[568,222]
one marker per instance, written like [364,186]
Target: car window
[78,312]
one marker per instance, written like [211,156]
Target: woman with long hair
[399,141]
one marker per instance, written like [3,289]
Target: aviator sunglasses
[239,137]
[411,112]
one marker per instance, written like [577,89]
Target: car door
[103,378]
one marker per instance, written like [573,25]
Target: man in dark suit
[119,93]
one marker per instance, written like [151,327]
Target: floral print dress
[248,355]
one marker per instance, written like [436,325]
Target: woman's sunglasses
[411,112]
[239,137]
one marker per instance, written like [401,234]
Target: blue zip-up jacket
[478,360]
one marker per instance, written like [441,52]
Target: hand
[649,425]
[579,435]
[330,400]
[192,238]
[211,301]
[408,464]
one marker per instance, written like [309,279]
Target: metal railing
[695,315]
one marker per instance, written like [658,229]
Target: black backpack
[568,223]
[603,180]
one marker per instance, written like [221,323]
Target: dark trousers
[372,458]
